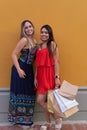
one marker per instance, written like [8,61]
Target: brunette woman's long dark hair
[51,37]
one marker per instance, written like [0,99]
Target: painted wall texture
[68,19]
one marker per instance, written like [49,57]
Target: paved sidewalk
[73,126]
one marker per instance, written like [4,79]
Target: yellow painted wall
[69,21]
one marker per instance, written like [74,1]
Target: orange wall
[69,21]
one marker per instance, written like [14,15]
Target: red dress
[45,71]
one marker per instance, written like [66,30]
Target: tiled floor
[77,126]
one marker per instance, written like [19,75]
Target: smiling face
[28,29]
[44,35]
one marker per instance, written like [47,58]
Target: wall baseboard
[39,116]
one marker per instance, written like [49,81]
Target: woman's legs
[41,100]
[58,122]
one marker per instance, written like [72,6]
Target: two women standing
[22,93]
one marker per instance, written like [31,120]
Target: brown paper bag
[53,107]
[68,90]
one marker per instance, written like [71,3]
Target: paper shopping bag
[68,90]
[71,111]
[55,108]
[49,103]
[64,103]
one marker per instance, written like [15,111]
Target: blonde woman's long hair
[22,33]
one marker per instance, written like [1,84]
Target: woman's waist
[24,60]
[44,63]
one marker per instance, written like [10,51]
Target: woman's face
[44,35]
[28,29]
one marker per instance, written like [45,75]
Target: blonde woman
[22,93]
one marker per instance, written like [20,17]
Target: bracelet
[57,76]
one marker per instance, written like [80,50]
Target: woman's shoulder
[53,45]
[21,43]
[23,39]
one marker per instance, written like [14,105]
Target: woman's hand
[57,83]
[21,73]
[35,83]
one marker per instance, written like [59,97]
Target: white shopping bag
[64,103]
[53,107]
